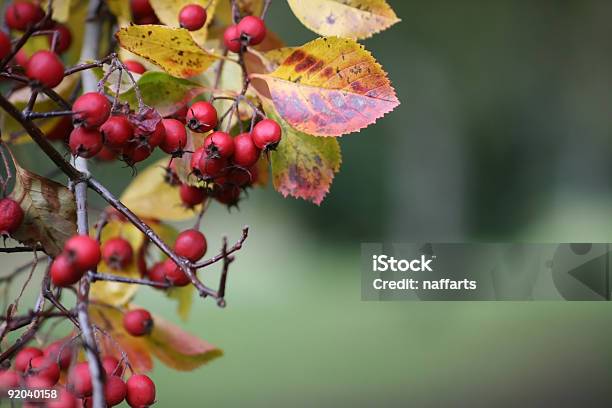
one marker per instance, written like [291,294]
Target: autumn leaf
[170,344]
[61,9]
[356,19]
[168,12]
[121,10]
[49,211]
[184,300]
[150,196]
[173,49]
[303,166]
[118,340]
[178,349]
[330,87]
[163,92]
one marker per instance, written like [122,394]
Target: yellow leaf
[356,19]
[121,10]
[178,349]
[184,297]
[149,196]
[330,87]
[168,12]
[172,49]
[61,9]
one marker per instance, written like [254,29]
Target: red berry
[191,195]
[64,400]
[140,391]
[21,58]
[148,138]
[246,153]
[174,274]
[229,195]
[211,167]
[21,14]
[231,38]
[45,367]
[134,153]
[79,380]
[117,130]
[53,350]
[38,382]
[91,109]
[135,66]
[239,176]
[11,216]
[150,19]
[45,67]
[141,8]
[62,130]
[84,252]
[85,142]
[23,358]
[9,379]
[254,28]
[190,244]
[117,253]
[195,160]
[111,366]
[5,45]
[176,136]
[219,144]
[192,17]
[63,38]
[138,322]
[63,272]
[201,117]
[106,154]
[266,134]
[157,273]
[114,390]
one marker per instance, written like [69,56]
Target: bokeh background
[504,134]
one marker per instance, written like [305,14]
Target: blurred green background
[503,135]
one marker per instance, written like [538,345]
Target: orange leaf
[330,87]
[178,349]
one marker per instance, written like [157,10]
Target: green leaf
[49,211]
[184,299]
[303,166]
[163,92]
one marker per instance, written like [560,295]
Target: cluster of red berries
[43,66]
[35,368]
[81,253]
[251,30]
[130,136]
[190,244]
[229,162]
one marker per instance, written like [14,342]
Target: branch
[89,51]
[115,278]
